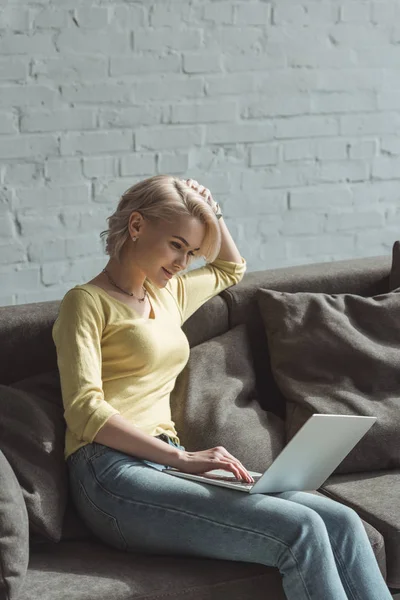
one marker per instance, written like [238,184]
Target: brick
[309,13]
[100,166]
[97,93]
[93,17]
[44,197]
[28,146]
[58,120]
[339,102]
[161,15]
[28,96]
[252,13]
[96,142]
[264,154]
[23,173]
[7,229]
[385,167]
[8,122]
[347,170]
[70,68]
[355,12]
[227,39]
[108,42]
[21,43]
[170,89]
[305,126]
[134,116]
[25,279]
[273,58]
[277,104]
[128,16]
[296,223]
[12,253]
[314,246]
[14,69]
[372,123]
[299,149]
[231,84]
[137,164]
[218,13]
[163,138]
[14,19]
[354,220]
[202,62]
[83,245]
[204,112]
[112,190]
[63,170]
[51,18]
[166,38]
[35,226]
[135,65]
[323,199]
[363,149]
[168,162]
[331,149]
[238,133]
[40,250]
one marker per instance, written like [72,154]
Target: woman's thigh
[136,507]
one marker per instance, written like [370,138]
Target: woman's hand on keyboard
[208,460]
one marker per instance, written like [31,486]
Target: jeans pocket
[102,524]
[94,450]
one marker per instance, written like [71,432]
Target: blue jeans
[319,546]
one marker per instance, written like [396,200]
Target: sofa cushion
[94,570]
[376,498]
[214,403]
[14,533]
[339,354]
[32,431]
[394,279]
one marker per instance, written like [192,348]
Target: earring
[134,238]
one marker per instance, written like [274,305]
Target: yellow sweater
[112,361]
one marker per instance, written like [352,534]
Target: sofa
[231,393]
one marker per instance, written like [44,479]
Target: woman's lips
[169,275]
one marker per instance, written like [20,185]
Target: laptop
[306,461]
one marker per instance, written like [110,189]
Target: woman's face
[167,246]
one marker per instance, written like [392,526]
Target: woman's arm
[119,434]
[228,249]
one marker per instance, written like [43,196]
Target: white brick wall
[288,111]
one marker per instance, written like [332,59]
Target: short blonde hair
[162,198]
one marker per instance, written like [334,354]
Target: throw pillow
[394,278]
[14,533]
[214,403]
[32,431]
[339,354]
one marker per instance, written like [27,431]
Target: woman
[120,347]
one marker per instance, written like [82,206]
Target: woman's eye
[179,247]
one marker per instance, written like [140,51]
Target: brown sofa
[79,567]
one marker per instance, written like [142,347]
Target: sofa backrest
[27,348]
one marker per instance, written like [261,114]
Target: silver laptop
[306,461]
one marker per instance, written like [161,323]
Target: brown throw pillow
[14,533]
[32,431]
[214,403]
[339,354]
[394,279]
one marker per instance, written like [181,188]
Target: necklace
[128,293]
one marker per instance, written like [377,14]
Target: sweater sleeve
[194,288]
[77,335]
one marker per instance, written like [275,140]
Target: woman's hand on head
[208,460]
[203,191]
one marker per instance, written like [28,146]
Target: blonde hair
[162,198]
